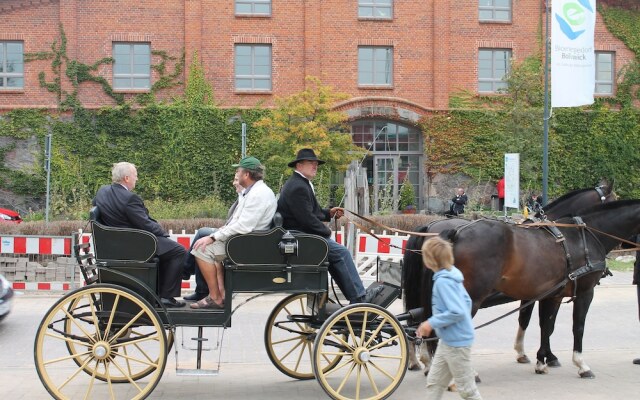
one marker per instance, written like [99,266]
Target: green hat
[251,163]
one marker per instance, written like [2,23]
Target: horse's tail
[417,280]
[449,234]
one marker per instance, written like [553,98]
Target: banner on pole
[573,69]
[512,180]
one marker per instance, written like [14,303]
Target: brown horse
[530,262]
[417,284]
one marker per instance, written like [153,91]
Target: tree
[307,119]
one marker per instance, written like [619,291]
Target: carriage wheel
[374,354]
[101,333]
[289,343]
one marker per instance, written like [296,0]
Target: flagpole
[545,146]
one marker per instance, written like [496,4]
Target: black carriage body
[255,264]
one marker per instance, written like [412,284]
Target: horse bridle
[603,196]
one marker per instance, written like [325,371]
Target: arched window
[396,155]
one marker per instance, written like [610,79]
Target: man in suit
[190,267]
[254,211]
[300,211]
[120,207]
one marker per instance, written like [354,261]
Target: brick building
[398,59]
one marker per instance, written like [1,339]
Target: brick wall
[435,44]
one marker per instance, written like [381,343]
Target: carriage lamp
[288,245]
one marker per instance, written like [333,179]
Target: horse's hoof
[554,364]
[478,380]
[523,359]
[541,372]
[426,372]
[452,388]
[413,367]
[587,375]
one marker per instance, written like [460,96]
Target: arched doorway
[396,154]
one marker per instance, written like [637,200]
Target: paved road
[612,340]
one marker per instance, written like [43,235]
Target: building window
[495,10]
[132,66]
[493,66]
[11,65]
[253,7]
[382,9]
[375,66]
[604,73]
[395,153]
[253,67]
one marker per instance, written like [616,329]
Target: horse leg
[524,318]
[580,308]
[413,359]
[548,310]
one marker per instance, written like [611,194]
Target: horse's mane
[566,196]
[605,207]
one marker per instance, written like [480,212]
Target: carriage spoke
[296,322]
[126,327]
[291,351]
[113,313]
[383,343]
[375,333]
[66,339]
[138,360]
[299,337]
[144,353]
[96,323]
[302,350]
[381,370]
[358,372]
[57,360]
[347,345]
[115,364]
[91,382]
[364,326]
[69,379]
[386,356]
[75,322]
[346,378]
[371,380]
[135,341]
[351,332]
[303,309]
[339,367]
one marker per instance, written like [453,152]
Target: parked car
[6,297]
[9,216]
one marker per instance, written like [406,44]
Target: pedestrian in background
[458,202]
[500,189]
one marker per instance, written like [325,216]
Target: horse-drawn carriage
[111,338]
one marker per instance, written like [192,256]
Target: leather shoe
[369,295]
[172,303]
[636,361]
[195,296]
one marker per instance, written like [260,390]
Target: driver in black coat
[636,281]
[300,211]
[120,207]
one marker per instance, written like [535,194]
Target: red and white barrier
[368,249]
[54,245]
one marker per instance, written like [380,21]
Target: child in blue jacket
[452,321]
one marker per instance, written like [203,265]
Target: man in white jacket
[255,210]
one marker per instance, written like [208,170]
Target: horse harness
[590,266]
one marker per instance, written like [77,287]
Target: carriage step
[197,372]
[198,350]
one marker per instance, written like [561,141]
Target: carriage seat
[126,250]
[256,263]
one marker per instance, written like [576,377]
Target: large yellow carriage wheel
[100,341]
[374,354]
[289,340]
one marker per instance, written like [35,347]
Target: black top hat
[305,154]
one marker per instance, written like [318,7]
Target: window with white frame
[253,7]
[375,9]
[604,73]
[253,67]
[493,66]
[132,66]
[11,65]
[494,10]
[375,66]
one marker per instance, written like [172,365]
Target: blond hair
[437,254]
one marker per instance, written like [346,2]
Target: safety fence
[46,262]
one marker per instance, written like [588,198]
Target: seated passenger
[190,266]
[120,207]
[300,211]
[255,210]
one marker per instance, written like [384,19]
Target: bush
[407,195]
